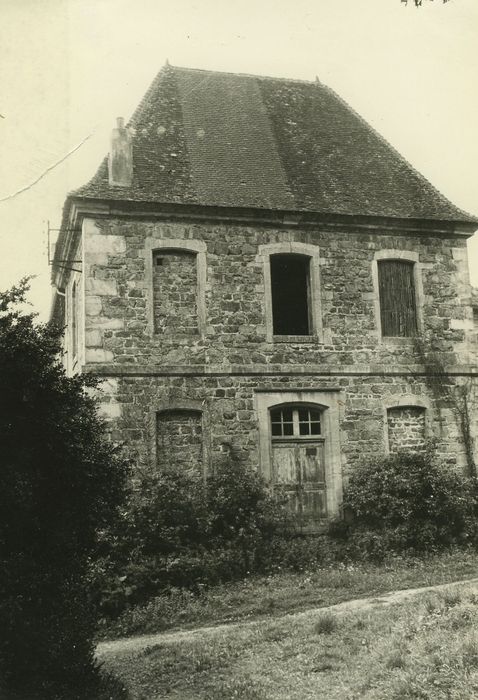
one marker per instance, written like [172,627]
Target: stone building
[255,271]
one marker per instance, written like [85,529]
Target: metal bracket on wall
[59,263]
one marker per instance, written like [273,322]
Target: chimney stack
[120,161]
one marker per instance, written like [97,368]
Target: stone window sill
[302,339]
[398,340]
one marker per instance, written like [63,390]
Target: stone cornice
[110,370]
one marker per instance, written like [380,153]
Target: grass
[265,597]
[425,648]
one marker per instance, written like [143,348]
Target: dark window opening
[290,289]
[398,308]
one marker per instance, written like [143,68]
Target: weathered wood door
[299,474]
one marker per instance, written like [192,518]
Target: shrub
[407,501]
[61,480]
[242,512]
[178,531]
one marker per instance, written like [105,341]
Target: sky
[68,68]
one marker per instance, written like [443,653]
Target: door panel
[299,473]
[286,475]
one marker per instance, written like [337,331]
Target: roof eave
[77,206]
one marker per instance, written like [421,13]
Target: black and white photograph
[239,350]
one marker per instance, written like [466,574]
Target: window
[290,290]
[397,298]
[74,321]
[174,292]
[176,274]
[297,422]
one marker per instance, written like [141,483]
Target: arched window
[398,293]
[292,292]
[176,274]
[398,306]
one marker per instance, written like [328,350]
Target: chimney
[120,161]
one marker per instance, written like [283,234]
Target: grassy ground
[259,598]
[425,648]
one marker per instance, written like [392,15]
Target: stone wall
[228,406]
[222,367]
[119,288]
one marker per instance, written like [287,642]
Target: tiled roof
[221,139]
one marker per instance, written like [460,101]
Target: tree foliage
[61,479]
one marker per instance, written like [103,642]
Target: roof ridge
[250,75]
[402,158]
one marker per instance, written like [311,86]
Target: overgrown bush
[407,501]
[181,531]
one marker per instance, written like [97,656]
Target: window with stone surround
[176,286]
[398,294]
[179,439]
[398,307]
[292,292]
[406,428]
[175,309]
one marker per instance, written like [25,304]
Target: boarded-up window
[398,307]
[175,292]
[406,428]
[179,440]
[290,289]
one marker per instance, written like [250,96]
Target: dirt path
[132,644]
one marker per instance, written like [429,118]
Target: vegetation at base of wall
[61,480]
[180,536]
[407,502]
[179,531]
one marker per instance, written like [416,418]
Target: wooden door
[299,474]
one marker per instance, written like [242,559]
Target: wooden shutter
[398,308]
